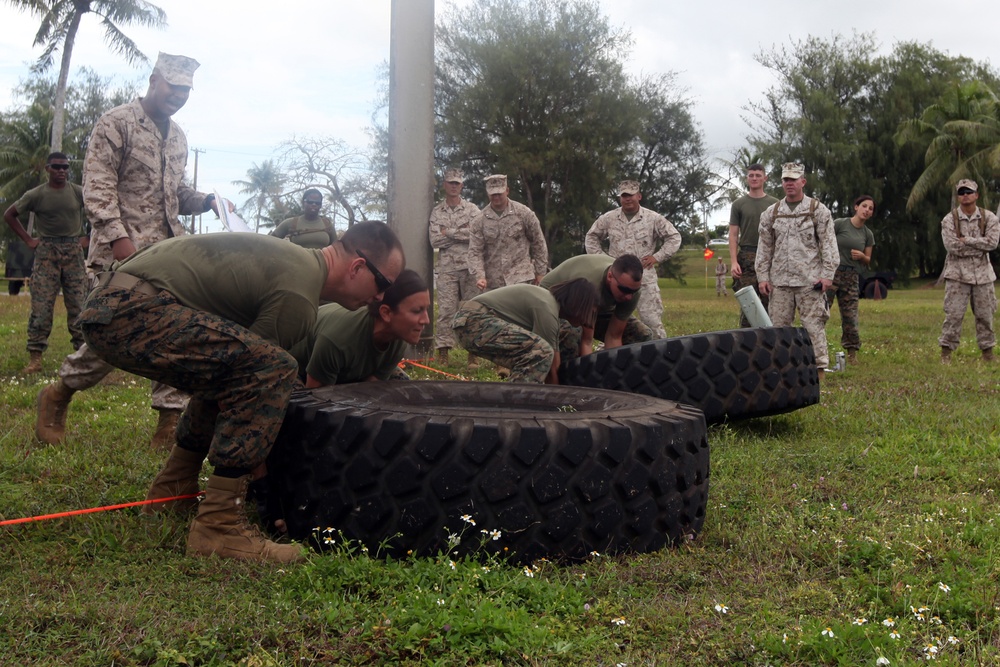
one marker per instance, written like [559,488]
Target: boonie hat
[176,70]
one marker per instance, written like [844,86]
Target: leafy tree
[538,91]
[264,184]
[327,164]
[836,107]
[24,145]
[60,21]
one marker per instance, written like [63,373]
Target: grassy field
[861,531]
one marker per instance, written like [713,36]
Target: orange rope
[428,368]
[59,515]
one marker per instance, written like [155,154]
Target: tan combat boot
[34,363]
[946,355]
[473,363]
[179,477]
[442,355]
[53,402]
[988,355]
[222,527]
[166,426]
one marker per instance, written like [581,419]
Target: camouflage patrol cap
[454,176]
[496,184]
[967,183]
[793,170]
[628,188]
[176,70]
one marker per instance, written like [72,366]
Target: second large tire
[732,375]
[560,472]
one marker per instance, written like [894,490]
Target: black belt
[126,281]
[61,239]
[845,267]
[748,247]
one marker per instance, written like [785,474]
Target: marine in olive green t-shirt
[58,211]
[745,214]
[341,348]
[307,233]
[528,306]
[594,268]
[851,238]
[267,285]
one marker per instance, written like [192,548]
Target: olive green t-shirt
[528,306]
[267,285]
[58,211]
[850,238]
[308,234]
[593,268]
[745,214]
[340,348]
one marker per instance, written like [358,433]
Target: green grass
[879,503]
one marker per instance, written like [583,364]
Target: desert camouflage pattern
[746,259]
[969,245]
[483,333]
[720,279]
[847,290]
[133,182]
[796,248]
[58,265]
[639,236]
[449,233]
[813,312]
[983,299]
[451,288]
[240,383]
[507,248]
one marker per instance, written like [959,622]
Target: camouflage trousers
[58,265]
[84,369]
[746,259]
[451,289]
[813,311]
[650,306]
[983,300]
[484,333]
[239,383]
[570,336]
[846,290]
[720,284]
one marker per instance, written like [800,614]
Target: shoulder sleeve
[100,178]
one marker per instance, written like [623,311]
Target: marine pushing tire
[560,472]
[734,374]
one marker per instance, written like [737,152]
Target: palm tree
[24,146]
[60,20]
[264,184]
[962,136]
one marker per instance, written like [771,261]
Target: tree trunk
[59,105]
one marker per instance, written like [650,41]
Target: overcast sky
[270,71]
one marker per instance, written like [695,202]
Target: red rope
[59,515]
[428,368]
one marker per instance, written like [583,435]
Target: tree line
[539,91]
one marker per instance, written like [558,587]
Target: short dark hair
[577,300]
[373,238]
[756,166]
[311,191]
[629,264]
[406,284]
[864,198]
[56,155]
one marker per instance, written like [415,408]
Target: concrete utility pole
[411,135]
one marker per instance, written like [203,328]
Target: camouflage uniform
[639,237]
[449,233]
[969,275]
[796,249]
[507,248]
[58,262]
[847,290]
[133,186]
[570,336]
[744,215]
[483,333]
[720,279]
[240,382]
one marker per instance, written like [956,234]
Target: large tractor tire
[560,472]
[728,375]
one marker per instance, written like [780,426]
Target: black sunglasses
[624,289]
[58,167]
[312,202]
[966,191]
[381,282]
